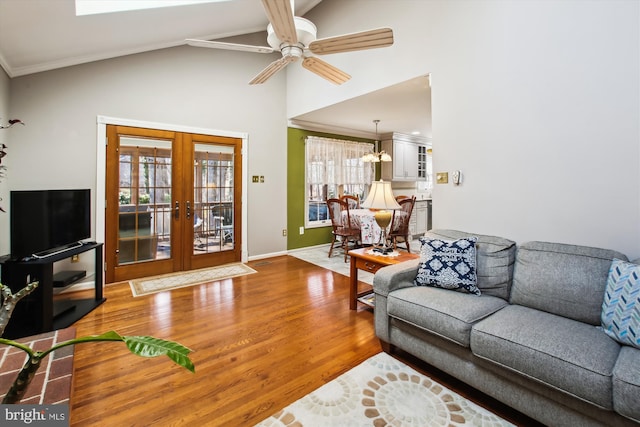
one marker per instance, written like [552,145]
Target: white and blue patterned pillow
[448,264]
[621,306]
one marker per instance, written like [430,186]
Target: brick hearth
[52,383]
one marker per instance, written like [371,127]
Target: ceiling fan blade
[325,70]
[280,14]
[371,39]
[271,69]
[228,46]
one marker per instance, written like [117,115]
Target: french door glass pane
[144,231]
[213,188]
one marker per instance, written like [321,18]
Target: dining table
[364,219]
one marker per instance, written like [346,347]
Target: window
[92,7]
[334,168]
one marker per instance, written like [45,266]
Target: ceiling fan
[295,37]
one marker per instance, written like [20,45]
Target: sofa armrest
[387,280]
[626,383]
[396,276]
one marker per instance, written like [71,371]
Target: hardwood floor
[260,342]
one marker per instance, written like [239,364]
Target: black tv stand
[38,312]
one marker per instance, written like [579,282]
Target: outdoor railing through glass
[150,225]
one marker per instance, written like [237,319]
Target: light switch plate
[442,177]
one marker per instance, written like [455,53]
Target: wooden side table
[363,260]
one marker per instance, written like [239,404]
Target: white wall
[4,139]
[184,86]
[537,102]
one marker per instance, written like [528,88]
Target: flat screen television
[46,221]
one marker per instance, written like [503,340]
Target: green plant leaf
[146,346]
[182,360]
[107,336]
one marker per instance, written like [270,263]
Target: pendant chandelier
[377,157]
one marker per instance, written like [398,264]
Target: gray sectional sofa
[531,339]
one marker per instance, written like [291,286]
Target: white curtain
[337,162]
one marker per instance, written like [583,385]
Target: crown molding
[320,127]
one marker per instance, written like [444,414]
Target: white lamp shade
[384,157]
[380,196]
[369,157]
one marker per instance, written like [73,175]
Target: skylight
[92,7]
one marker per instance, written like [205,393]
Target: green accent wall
[296,193]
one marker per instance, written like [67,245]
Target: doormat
[383,391]
[167,282]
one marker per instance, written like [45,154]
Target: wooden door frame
[101,168]
[191,259]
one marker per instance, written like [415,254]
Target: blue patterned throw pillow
[448,264]
[621,306]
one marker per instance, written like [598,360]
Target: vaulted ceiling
[41,35]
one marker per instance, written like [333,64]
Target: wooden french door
[173,202]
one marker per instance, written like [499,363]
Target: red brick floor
[52,382]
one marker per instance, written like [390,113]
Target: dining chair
[341,233]
[221,231]
[197,228]
[353,201]
[400,223]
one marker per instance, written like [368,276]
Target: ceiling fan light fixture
[294,37]
[293,51]
[305,33]
[229,46]
[325,70]
[372,39]
[280,14]
[271,69]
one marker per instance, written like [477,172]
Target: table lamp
[381,200]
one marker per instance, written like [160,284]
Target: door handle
[177,210]
[188,209]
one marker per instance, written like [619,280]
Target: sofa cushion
[621,305]
[448,264]
[626,383]
[566,280]
[565,354]
[442,312]
[495,258]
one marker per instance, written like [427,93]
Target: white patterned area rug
[383,391]
[318,255]
[167,282]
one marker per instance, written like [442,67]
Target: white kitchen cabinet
[409,158]
[413,223]
[423,168]
[421,213]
